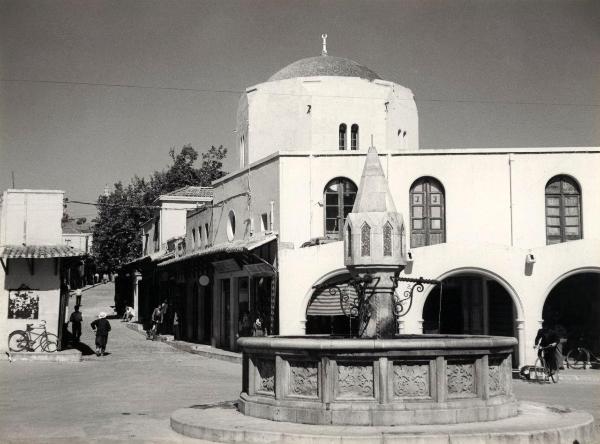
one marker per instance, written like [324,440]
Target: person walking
[78,294]
[76,319]
[101,326]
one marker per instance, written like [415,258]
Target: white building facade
[506,230]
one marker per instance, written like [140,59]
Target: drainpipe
[510,195]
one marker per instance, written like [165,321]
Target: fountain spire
[373,249]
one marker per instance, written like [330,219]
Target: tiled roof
[191,191]
[38,251]
[239,246]
[324,66]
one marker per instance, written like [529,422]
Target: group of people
[101,327]
[248,328]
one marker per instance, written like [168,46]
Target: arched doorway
[572,308]
[471,303]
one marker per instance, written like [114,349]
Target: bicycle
[152,334]
[540,371]
[580,358]
[20,340]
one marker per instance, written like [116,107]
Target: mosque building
[513,234]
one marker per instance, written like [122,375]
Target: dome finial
[324,50]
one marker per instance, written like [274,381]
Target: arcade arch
[474,301]
[572,308]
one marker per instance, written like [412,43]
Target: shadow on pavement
[69,343]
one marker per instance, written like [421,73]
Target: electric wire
[234,91]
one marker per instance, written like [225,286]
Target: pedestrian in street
[96,278]
[76,319]
[129,314]
[104,278]
[78,294]
[101,326]
[164,311]
[176,326]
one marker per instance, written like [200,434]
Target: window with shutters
[427,213]
[338,201]
[563,210]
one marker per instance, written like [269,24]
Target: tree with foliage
[121,214]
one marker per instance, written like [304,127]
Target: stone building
[512,233]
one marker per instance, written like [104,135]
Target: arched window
[387,239]
[427,213]
[342,137]
[349,241]
[354,137]
[563,210]
[339,198]
[365,240]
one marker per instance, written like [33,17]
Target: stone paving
[130,394]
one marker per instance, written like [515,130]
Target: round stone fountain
[323,389]
[410,379]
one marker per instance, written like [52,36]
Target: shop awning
[238,246]
[326,301]
[153,257]
[38,251]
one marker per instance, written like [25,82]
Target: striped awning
[326,301]
[38,251]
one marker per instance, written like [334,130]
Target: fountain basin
[410,379]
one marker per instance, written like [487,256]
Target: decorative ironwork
[358,305]
[403,303]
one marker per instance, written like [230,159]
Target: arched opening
[470,303]
[427,212]
[339,195]
[324,314]
[342,145]
[572,309]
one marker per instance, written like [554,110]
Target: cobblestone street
[130,394]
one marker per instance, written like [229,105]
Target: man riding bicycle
[546,341]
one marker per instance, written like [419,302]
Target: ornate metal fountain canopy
[357,306]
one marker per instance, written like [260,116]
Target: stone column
[521,358]
[137,277]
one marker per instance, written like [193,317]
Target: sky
[484,73]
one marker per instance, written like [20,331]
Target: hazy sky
[484,74]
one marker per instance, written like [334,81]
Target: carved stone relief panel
[265,381]
[461,380]
[499,374]
[411,380]
[355,381]
[304,379]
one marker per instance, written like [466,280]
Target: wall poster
[23,303]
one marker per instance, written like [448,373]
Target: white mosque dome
[324,65]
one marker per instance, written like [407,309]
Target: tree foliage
[121,214]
